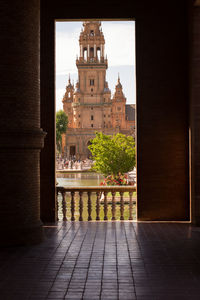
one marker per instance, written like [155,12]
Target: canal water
[86,179]
[79,179]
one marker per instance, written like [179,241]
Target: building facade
[89,105]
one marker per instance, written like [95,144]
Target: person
[70,164]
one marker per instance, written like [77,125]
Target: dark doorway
[72,150]
[162,105]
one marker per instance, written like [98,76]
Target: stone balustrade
[103,195]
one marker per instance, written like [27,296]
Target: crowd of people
[72,163]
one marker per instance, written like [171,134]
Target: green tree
[61,127]
[113,154]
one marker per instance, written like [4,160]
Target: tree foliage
[61,127]
[113,154]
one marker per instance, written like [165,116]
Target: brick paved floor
[99,260]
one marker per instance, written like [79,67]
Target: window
[92,32]
[92,117]
[91,90]
[118,108]
[79,116]
[85,53]
[91,125]
[91,108]
[104,116]
[91,81]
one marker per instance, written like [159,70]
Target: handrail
[101,196]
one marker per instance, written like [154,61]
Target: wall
[195,113]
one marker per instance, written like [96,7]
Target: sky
[119,48]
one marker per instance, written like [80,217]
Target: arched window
[98,53]
[85,53]
[91,82]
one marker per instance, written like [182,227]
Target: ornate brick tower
[118,107]
[91,90]
[67,102]
[89,107]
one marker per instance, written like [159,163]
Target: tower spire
[118,78]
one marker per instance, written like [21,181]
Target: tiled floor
[99,260]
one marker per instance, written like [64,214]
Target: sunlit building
[89,105]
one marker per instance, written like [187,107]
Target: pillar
[103,50]
[88,51]
[95,51]
[81,50]
[20,133]
[195,115]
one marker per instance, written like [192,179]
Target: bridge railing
[67,198]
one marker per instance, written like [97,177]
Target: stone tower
[118,107]
[92,89]
[67,103]
[89,106]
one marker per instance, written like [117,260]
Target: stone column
[101,47]
[88,51]
[195,115]
[20,133]
[81,51]
[95,50]
[103,50]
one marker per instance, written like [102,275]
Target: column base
[21,236]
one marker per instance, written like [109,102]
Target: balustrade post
[131,206]
[64,209]
[98,206]
[72,206]
[81,206]
[113,206]
[105,206]
[121,206]
[89,207]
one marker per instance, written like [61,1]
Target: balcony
[92,61]
[85,203]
